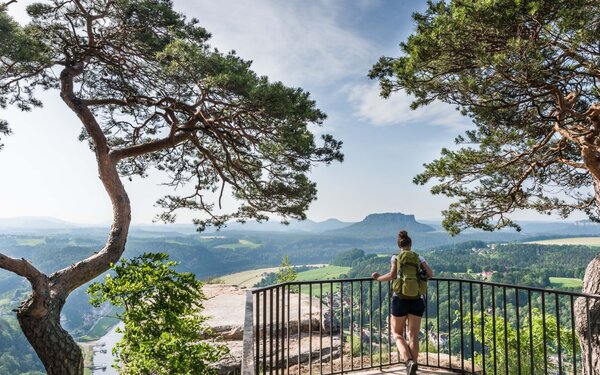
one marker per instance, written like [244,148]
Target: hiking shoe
[411,367]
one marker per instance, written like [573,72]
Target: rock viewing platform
[225,306]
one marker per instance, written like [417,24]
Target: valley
[542,255]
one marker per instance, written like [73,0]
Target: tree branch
[38,280]
[533,150]
[6,4]
[22,268]
[148,147]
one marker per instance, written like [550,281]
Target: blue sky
[324,46]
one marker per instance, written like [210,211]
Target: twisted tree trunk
[57,350]
[39,315]
[587,312]
[587,309]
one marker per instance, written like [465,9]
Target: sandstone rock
[225,308]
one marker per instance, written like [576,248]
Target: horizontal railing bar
[444,279]
[376,365]
[521,287]
[257,290]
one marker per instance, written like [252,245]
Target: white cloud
[370,106]
[18,11]
[296,42]
[301,43]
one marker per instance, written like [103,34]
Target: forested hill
[16,355]
[514,263]
[384,225]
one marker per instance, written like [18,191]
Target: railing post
[462,330]
[389,317]
[380,335]
[310,291]
[342,326]
[518,330]
[320,327]
[248,343]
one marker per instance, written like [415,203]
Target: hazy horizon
[276,221]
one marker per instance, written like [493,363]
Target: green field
[176,242]
[30,241]
[586,241]
[240,244]
[566,282]
[247,278]
[323,273]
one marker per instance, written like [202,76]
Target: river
[106,359]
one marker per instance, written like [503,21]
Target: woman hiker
[409,272]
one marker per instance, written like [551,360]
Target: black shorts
[402,307]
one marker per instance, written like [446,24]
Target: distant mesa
[384,224]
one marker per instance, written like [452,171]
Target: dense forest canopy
[17,356]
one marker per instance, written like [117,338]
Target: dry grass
[586,241]
[247,278]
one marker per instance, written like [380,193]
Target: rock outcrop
[225,308]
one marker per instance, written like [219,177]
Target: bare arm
[427,269]
[388,276]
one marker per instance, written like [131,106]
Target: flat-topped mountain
[384,224]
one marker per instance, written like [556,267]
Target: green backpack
[408,283]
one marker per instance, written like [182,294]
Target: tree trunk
[39,315]
[587,309]
[587,312]
[57,350]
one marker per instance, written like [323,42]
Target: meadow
[239,245]
[585,241]
[565,282]
[323,273]
[30,241]
[247,279]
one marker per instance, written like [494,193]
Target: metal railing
[469,326]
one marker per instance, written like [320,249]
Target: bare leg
[398,325]
[414,325]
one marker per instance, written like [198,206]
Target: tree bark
[587,309]
[57,350]
[587,313]
[39,315]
